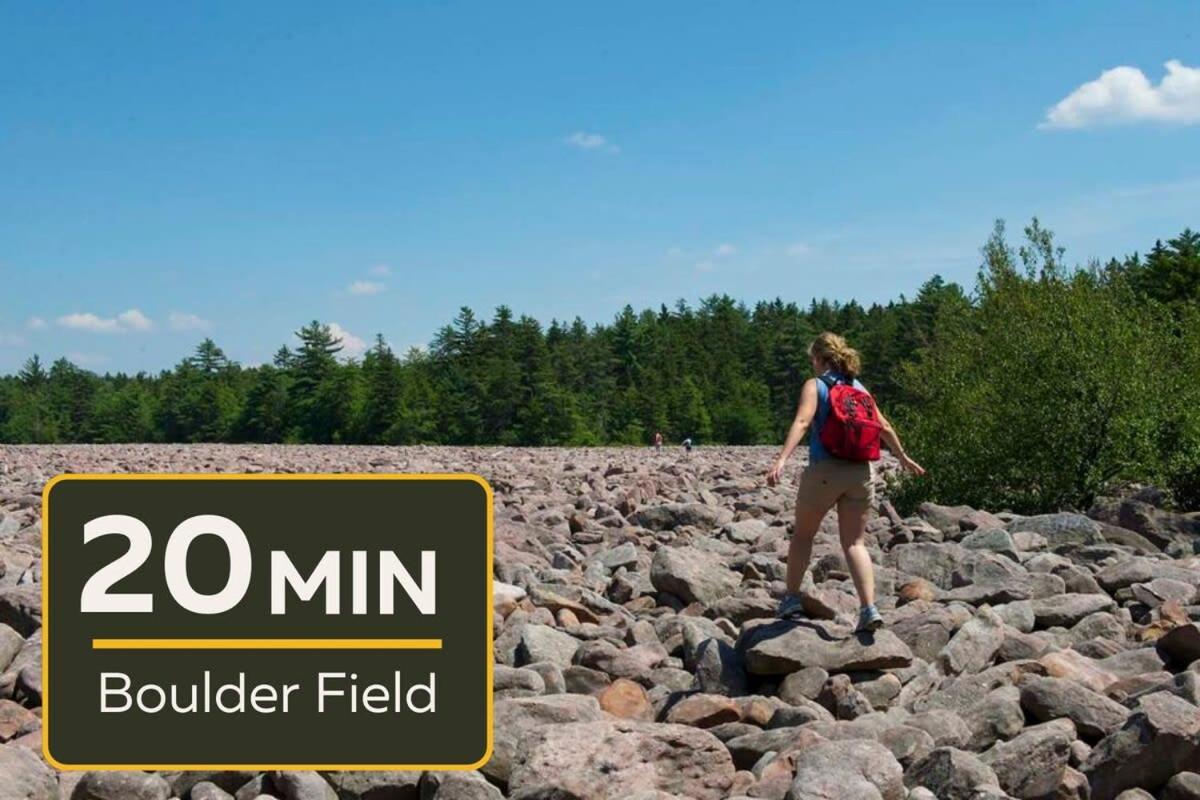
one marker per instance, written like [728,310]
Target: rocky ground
[1054,656]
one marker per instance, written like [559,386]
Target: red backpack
[852,428]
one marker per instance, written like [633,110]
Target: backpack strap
[831,381]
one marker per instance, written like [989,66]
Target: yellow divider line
[266,644]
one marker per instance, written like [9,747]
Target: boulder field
[637,655]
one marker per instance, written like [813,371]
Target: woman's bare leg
[808,522]
[852,528]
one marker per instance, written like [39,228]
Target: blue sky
[170,171]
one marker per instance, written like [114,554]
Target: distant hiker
[847,428]
[687,445]
[658,440]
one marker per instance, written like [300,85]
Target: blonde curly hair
[834,351]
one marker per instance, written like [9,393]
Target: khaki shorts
[833,481]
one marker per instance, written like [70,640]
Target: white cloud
[1125,95]
[798,250]
[381,269]
[87,359]
[723,250]
[129,321]
[705,266]
[365,287]
[36,324]
[11,339]
[134,320]
[183,321]
[352,346]
[674,252]
[591,141]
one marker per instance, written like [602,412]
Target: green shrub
[1055,383]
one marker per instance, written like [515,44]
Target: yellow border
[427,476]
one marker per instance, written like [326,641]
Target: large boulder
[455,786]
[935,562]
[1066,610]
[1093,714]
[846,770]
[544,643]
[515,718]
[129,786]
[692,574]
[619,759]
[1160,738]
[668,516]
[24,776]
[1061,528]
[780,648]
[975,644]
[951,774]
[1032,764]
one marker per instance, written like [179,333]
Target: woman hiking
[847,428]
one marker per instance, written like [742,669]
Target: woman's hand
[775,473]
[910,465]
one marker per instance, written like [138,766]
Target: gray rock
[996,717]
[779,648]
[908,744]
[206,790]
[1060,528]
[509,682]
[24,776]
[1094,714]
[951,774]
[691,574]
[1068,609]
[583,680]
[846,769]
[457,786]
[1161,738]
[803,684]
[720,669]
[668,516]
[551,675]
[946,727]
[974,646]
[544,643]
[935,563]
[619,759]
[628,662]
[124,786]
[623,555]
[947,519]
[1031,765]
[995,540]
[748,748]
[10,644]
[516,718]
[1183,786]
[746,531]
[21,608]
[301,786]
[394,785]
[1017,615]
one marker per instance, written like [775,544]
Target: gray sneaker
[869,619]
[790,607]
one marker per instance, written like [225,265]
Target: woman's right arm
[805,409]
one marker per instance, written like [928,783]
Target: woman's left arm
[892,440]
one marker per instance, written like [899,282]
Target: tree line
[1095,358]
